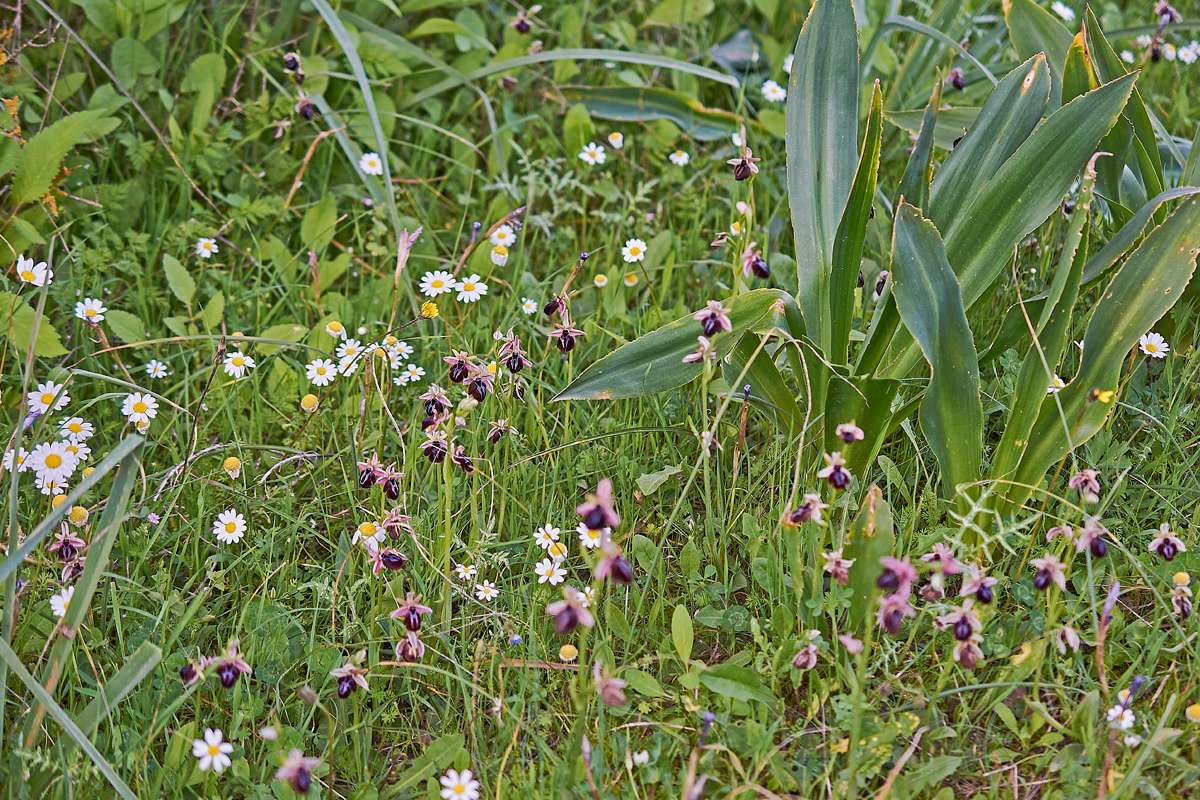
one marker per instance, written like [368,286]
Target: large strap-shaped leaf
[654,362]
[1007,118]
[919,171]
[822,150]
[872,536]
[753,366]
[852,232]
[931,306]
[1144,289]
[1032,30]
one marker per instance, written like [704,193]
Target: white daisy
[336,329]
[412,373]
[229,526]
[22,460]
[402,349]
[1169,51]
[558,551]
[504,236]
[52,462]
[528,306]
[212,751]
[591,537]
[679,158]
[1120,717]
[548,571]
[600,280]
[470,289]
[465,572]
[47,397]
[90,310]
[435,283]
[371,164]
[237,364]
[79,450]
[1127,56]
[616,140]
[546,535]
[459,785]
[499,255]
[593,154]
[77,429]
[60,602]
[633,251]
[157,369]
[320,372]
[36,274]
[1154,345]
[630,279]
[1189,53]
[1063,10]
[486,591]
[772,92]
[1056,385]
[370,534]
[139,408]
[206,247]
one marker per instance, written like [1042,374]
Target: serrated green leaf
[42,155]
[18,317]
[654,362]
[178,278]
[129,328]
[931,306]
[822,151]
[213,311]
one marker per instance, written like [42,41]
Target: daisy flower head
[499,255]
[412,373]
[466,572]
[335,329]
[486,591]
[616,140]
[47,397]
[503,236]
[630,279]
[679,158]
[156,369]
[34,273]
[772,92]
[528,306]
[591,538]
[371,164]
[1057,384]
[320,372]
[600,280]
[459,785]
[22,458]
[1154,345]
[546,535]
[370,534]
[60,602]
[139,408]
[212,751]
[77,429]
[229,527]
[1121,717]
[1127,56]
[436,283]
[548,571]
[78,450]
[592,154]
[403,350]
[90,310]
[237,364]
[470,289]
[633,251]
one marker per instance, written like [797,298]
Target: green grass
[201,138]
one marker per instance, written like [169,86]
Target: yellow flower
[568,653]
[429,310]
[1193,712]
[493,368]
[309,403]
[87,471]
[1181,579]
[58,500]
[78,515]
[232,467]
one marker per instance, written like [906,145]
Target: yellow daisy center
[230,526]
[89,312]
[367,529]
[238,361]
[75,427]
[214,750]
[468,287]
[54,461]
[28,275]
[633,251]
[140,407]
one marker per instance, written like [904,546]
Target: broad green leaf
[654,362]
[822,151]
[578,128]
[178,278]
[919,171]
[644,104]
[438,25]
[132,60]
[17,319]
[650,482]
[316,229]
[1007,118]
[738,683]
[679,12]
[1078,75]
[285,332]
[643,683]
[433,759]
[951,125]
[929,301]
[852,232]
[42,155]
[867,402]
[127,327]
[1051,333]
[871,537]
[682,633]
[1033,30]
[1143,290]
[768,389]
[205,77]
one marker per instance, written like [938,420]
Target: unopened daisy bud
[232,467]
[568,653]
[78,515]
[429,310]
[1181,579]
[309,403]
[87,471]
[58,500]
[1193,713]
